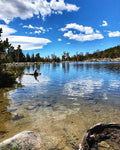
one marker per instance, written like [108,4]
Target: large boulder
[98,134]
[26,140]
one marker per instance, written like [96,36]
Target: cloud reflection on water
[31,87]
[29,80]
[82,87]
[114,84]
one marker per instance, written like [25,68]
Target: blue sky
[54,26]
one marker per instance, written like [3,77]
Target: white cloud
[60,6]
[59,40]
[114,34]
[37,32]
[29,26]
[27,43]
[97,31]
[6,30]
[63,29]
[86,33]
[104,23]
[31,33]
[27,9]
[13,9]
[83,37]
[38,29]
[34,27]
[81,28]
[68,43]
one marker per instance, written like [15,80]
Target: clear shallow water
[64,101]
[80,81]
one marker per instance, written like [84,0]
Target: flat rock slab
[29,140]
[26,140]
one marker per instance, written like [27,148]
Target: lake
[63,102]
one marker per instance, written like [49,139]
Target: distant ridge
[113,52]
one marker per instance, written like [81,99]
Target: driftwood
[32,74]
[98,133]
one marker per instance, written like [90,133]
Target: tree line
[9,54]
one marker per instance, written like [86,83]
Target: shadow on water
[66,67]
[31,68]
[78,66]
[110,67]
[55,66]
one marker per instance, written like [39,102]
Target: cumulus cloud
[114,34]
[27,9]
[34,27]
[85,33]
[26,42]
[59,40]
[80,28]
[29,26]
[38,30]
[104,23]
[60,6]
[83,37]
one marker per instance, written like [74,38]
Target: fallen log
[32,74]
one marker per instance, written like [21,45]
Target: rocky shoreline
[95,138]
[39,63]
[25,63]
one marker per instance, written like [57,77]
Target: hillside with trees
[108,53]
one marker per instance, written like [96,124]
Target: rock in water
[17,117]
[26,140]
[98,134]
[29,140]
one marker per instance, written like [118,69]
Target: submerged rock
[17,117]
[104,145]
[50,142]
[12,110]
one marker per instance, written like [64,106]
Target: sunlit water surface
[64,101]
